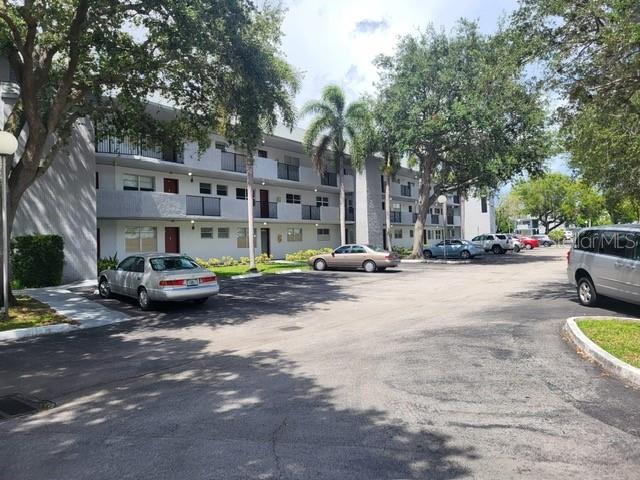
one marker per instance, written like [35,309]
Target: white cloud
[336,41]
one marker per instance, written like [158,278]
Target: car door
[478,241]
[339,258]
[134,277]
[489,241]
[357,256]
[120,275]
[628,268]
[608,265]
[454,248]
[437,249]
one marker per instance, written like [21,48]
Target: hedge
[37,260]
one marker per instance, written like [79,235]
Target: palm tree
[333,132]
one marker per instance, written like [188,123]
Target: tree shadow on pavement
[168,408]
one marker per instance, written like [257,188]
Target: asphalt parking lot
[427,371]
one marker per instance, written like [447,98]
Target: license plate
[192,283]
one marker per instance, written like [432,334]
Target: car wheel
[547,244]
[320,265]
[427,254]
[465,254]
[528,246]
[497,249]
[200,301]
[104,289]
[370,266]
[516,248]
[143,299]
[587,292]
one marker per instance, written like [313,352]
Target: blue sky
[335,41]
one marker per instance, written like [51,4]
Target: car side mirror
[333,254]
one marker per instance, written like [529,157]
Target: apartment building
[118,196]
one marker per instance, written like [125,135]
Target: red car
[528,242]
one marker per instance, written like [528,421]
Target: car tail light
[208,279]
[172,283]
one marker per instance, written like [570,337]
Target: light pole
[442,199]
[8,146]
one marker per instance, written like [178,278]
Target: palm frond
[320,154]
[333,95]
[316,128]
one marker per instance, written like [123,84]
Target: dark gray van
[605,262]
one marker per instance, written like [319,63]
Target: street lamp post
[442,199]
[8,146]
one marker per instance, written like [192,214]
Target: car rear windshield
[161,264]
[377,248]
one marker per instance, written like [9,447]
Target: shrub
[263,258]
[244,260]
[557,235]
[228,261]
[304,255]
[108,263]
[37,260]
[402,251]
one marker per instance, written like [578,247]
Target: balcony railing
[405,190]
[233,162]
[265,210]
[396,217]
[329,178]
[310,212]
[204,206]
[128,146]
[288,172]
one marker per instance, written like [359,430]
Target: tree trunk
[423,207]
[343,222]
[387,209]
[252,253]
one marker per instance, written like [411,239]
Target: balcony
[203,206]
[449,219]
[329,178]
[136,147]
[310,212]
[288,172]
[233,162]
[130,204]
[265,210]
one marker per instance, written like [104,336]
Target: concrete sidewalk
[84,313]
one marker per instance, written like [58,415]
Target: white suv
[494,242]
[605,262]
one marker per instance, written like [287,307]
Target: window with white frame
[322,201]
[141,183]
[140,239]
[324,234]
[206,232]
[242,239]
[221,190]
[397,233]
[293,198]
[262,153]
[205,188]
[294,234]
[223,232]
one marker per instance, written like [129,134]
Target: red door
[170,185]
[172,239]
[264,203]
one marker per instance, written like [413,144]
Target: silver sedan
[153,277]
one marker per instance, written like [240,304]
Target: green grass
[30,313]
[264,268]
[621,339]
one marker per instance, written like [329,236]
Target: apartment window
[142,183]
[410,208]
[322,201]
[140,239]
[324,234]
[221,146]
[223,232]
[241,193]
[410,233]
[206,232]
[242,240]
[293,198]
[294,234]
[397,233]
[289,160]
[262,153]
[97,180]
[483,204]
[205,188]
[383,205]
[382,182]
[221,190]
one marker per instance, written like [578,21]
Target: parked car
[568,235]
[544,240]
[454,249]
[493,242]
[528,243]
[153,277]
[517,245]
[605,262]
[370,258]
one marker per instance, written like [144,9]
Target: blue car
[454,249]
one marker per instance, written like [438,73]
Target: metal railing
[329,178]
[265,210]
[288,172]
[204,206]
[128,146]
[310,212]
[233,162]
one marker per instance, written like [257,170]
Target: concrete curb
[436,261]
[246,275]
[603,358]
